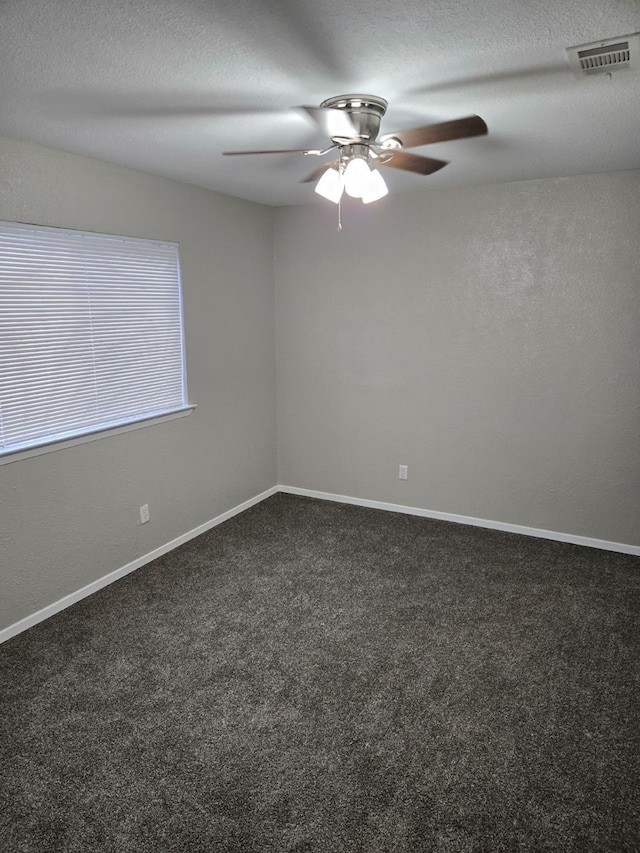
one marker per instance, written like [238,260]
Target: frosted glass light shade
[356,177]
[330,185]
[375,189]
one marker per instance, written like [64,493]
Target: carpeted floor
[311,676]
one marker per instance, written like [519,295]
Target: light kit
[352,174]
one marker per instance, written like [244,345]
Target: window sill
[27,452]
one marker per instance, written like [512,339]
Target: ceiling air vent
[605,56]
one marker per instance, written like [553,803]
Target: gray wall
[70,517]
[489,338]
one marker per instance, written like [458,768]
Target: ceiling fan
[352,123]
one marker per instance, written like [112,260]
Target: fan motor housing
[365,111]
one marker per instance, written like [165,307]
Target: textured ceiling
[166,85]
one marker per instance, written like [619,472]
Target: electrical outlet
[403,472]
[144,514]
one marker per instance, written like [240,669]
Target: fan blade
[332,122]
[91,104]
[460,128]
[414,163]
[273,151]
[319,172]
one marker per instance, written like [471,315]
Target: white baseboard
[619,547]
[68,600]
[89,589]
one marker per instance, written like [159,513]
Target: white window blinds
[90,333]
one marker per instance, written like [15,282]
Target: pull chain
[341,173]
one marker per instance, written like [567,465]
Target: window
[90,333]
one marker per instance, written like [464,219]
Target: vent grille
[601,57]
[605,56]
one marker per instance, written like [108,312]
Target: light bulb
[356,177]
[330,185]
[375,189]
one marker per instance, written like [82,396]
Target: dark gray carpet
[311,676]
